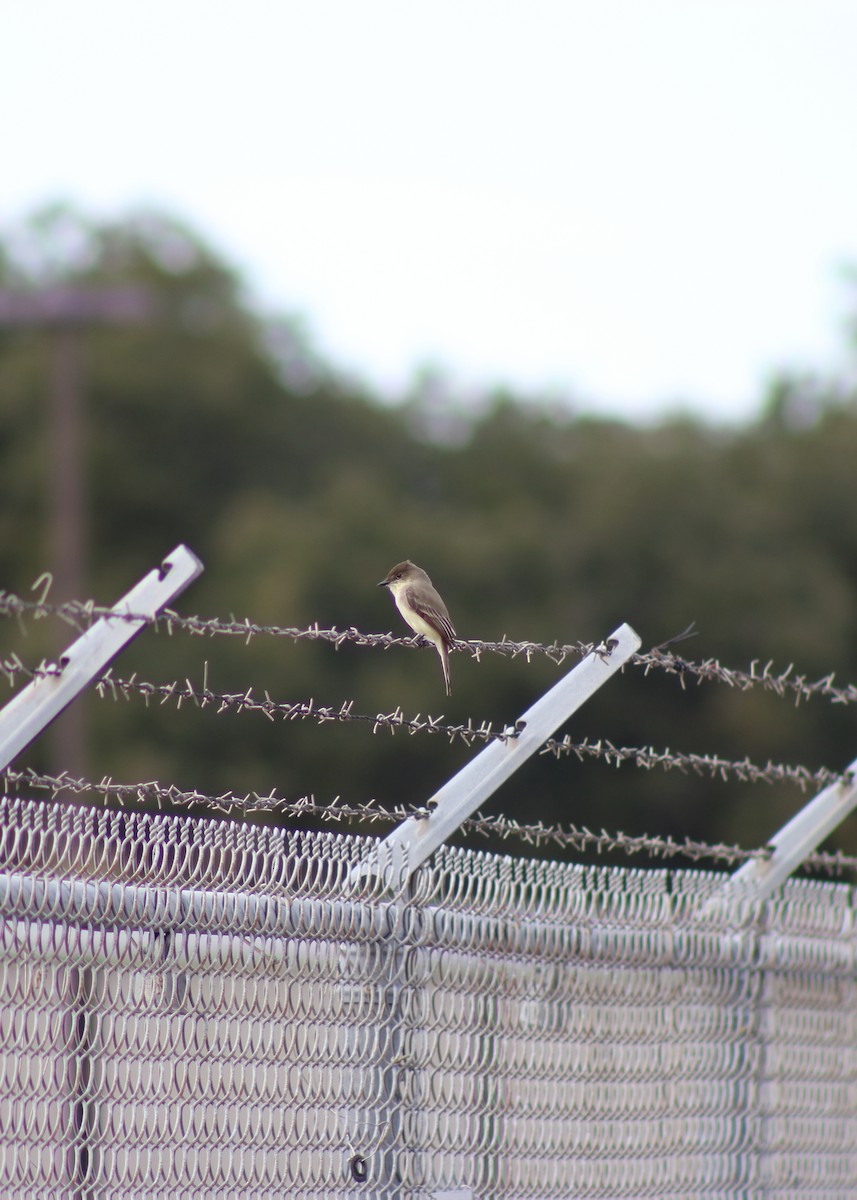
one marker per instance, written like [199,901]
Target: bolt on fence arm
[798,839]
[28,713]
[412,842]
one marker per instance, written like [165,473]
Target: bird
[423,609]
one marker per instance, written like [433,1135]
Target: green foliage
[211,425]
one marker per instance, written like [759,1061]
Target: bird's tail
[444,662]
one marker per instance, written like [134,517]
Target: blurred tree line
[221,427]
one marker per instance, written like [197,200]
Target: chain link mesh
[202,1008]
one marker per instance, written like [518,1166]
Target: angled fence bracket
[803,834]
[412,842]
[35,706]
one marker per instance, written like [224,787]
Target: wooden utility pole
[65,313]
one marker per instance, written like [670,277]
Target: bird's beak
[383,583]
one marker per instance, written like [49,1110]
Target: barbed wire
[783,683]
[336,811]
[13,669]
[468,732]
[81,614]
[180,692]
[711,765]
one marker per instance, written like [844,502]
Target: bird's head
[403,572]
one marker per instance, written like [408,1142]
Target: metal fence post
[35,706]
[412,842]
[804,833]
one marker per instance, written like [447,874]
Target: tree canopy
[216,425]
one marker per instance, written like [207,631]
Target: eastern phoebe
[423,609]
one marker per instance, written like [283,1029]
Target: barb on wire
[12,669]
[785,683]
[537,834]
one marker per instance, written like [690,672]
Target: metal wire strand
[338,811]
[470,732]
[786,683]
[714,766]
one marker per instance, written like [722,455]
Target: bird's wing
[433,610]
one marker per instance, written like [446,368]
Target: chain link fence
[203,1008]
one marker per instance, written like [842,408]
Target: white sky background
[638,203]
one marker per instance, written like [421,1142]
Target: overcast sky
[639,203]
